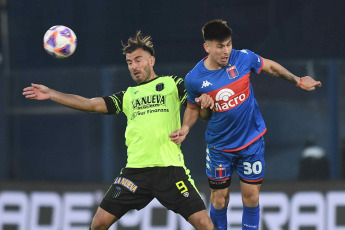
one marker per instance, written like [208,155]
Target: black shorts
[135,188]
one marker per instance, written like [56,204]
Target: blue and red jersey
[236,121]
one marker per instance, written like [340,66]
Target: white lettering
[303,218]
[231,103]
[13,209]
[274,219]
[131,219]
[77,210]
[148,217]
[45,200]
[334,200]
[74,211]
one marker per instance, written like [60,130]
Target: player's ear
[207,47]
[152,61]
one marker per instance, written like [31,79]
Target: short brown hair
[138,42]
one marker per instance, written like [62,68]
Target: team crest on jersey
[232,72]
[220,172]
[159,87]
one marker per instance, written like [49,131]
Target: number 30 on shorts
[255,168]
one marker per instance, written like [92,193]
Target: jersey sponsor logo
[225,101]
[149,101]
[232,72]
[220,172]
[231,95]
[126,183]
[205,84]
[224,94]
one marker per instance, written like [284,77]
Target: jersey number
[256,168]
[181,186]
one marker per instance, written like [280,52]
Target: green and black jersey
[153,112]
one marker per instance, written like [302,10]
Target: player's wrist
[185,129]
[299,82]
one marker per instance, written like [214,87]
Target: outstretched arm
[273,68]
[41,92]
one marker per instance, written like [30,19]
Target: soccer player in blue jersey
[235,129]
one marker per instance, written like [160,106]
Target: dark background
[41,141]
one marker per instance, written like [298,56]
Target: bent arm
[205,114]
[190,117]
[41,92]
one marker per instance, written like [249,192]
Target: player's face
[140,64]
[218,52]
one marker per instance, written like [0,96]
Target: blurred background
[44,144]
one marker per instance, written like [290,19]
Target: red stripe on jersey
[252,181]
[227,178]
[231,95]
[262,64]
[191,104]
[246,145]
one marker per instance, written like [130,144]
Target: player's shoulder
[175,78]
[195,71]
[243,53]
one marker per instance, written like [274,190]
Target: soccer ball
[60,41]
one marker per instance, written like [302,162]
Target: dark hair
[138,42]
[216,30]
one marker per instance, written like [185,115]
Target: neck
[210,65]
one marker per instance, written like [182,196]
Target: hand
[36,92]
[308,83]
[178,136]
[205,101]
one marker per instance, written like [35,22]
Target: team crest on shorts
[116,192]
[220,172]
[232,72]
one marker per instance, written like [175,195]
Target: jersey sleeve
[114,102]
[182,93]
[255,61]
[191,94]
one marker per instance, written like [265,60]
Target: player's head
[218,41]
[140,57]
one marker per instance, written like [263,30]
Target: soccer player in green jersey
[155,165]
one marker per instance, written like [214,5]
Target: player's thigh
[219,168]
[102,219]
[175,190]
[251,164]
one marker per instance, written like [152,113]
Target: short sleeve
[182,93]
[114,102]
[191,93]
[255,61]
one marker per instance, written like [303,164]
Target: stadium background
[46,147]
